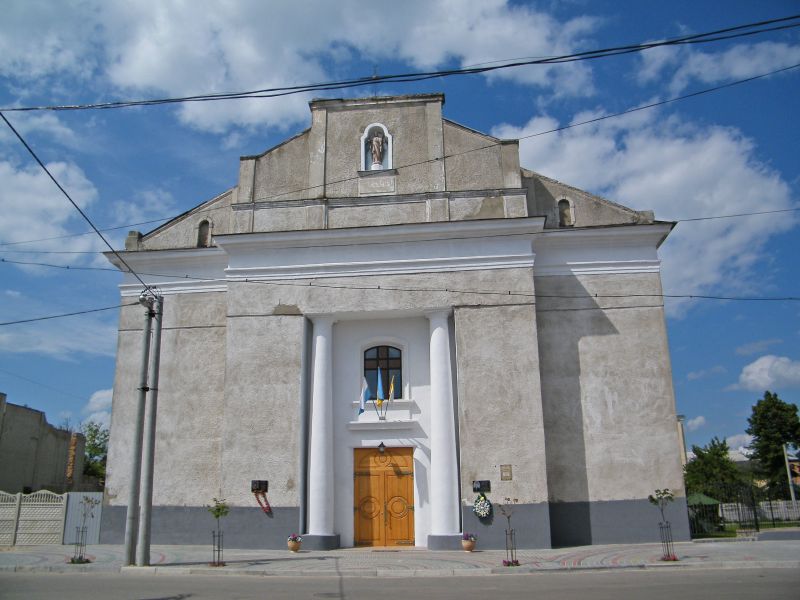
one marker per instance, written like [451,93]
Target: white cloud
[98,409]
[151,48]
[696,423]
[739,62]
[738,450]
[715,370]
[769,372]
[39,38]
[757,347]
[680,170]
[33,208]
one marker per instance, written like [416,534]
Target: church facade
[385,314]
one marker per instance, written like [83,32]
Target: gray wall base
[244,527]
[531,523]
[321,542]
[444,542]
[614,522]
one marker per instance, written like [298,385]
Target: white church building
[518,320]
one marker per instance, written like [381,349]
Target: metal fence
[76,508]
[728,509]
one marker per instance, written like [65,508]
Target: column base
[448,541]
[320,542]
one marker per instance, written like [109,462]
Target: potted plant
[468,541]
[293,542]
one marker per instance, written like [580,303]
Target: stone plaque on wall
[376,185]
[505,473]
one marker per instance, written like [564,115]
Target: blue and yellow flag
[379,393]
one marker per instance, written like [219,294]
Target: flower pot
[293,546]
[468,545]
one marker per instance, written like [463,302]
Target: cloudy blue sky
[728,152]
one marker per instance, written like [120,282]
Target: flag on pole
[379,393]
[391,389]
[362,399]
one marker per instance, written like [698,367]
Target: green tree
[710,466]
[773,424]
[96,450]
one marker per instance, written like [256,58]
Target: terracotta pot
[293,546]
[468,545]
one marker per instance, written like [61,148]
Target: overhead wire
[700,38]
[456,154]
[314,283]
[69,314]
[71,201]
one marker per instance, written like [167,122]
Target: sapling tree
[660,499]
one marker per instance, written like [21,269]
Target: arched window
[203,235]
[390,361]
[565,218]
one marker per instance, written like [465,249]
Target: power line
[701,38]
[71,201]
[69,235]
[385,288]
[81,252]
[71,314]
[532,135]
[493,144]
[42,385]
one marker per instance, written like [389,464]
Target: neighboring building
[521,319]
[34,455]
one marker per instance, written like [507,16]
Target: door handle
[385,513]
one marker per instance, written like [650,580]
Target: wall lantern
[381,447]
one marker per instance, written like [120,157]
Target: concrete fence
[47,518]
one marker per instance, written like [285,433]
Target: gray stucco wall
[474,161]
[416,138]
[500,405]
[183,231]
[588,210]
[608,402]
[261,422]
[190,406]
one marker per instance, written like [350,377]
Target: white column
[320,456]
[444,472]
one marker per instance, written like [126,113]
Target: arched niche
[370,131]
[566,213]
[204,234]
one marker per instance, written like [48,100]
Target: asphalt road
[656,584]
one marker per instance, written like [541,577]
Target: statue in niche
[376,144]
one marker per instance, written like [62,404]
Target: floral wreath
[482,507]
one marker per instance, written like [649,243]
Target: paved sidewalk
[363,562]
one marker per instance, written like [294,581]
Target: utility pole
[149,448]
[136,450]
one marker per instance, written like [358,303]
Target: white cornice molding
[397,249]
[173,271]
[599,251]
[383,250]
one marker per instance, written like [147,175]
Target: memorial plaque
[505,473]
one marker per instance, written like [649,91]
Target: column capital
[322,320]
[438,314]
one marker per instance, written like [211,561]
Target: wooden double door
[384,497]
